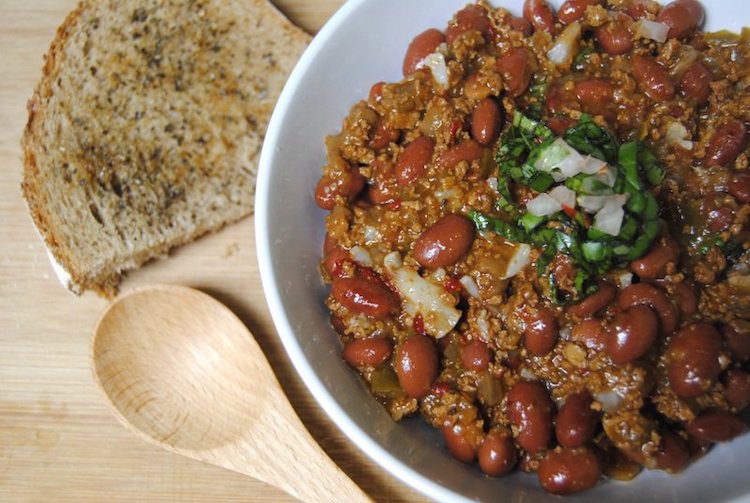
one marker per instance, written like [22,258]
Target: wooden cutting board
[58,441]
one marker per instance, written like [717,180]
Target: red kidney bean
[338,324]
[573,10]
[569,471]
[369,352]
[686,297]
[696,82]
[716,426]
[467,150]
[423,45]
[576,421]
[334,260]
[417,365]
[486,121]
[329,244]
[739,187]
[382,135]
[383,187]
[720,219]
[458,443]
[631,334]
[590,333]
[539,14]
[594,302]
[737,336]
[414,160]
[737,388]
[349,186]
[445,242]
[682,17]
[514,68]
[727,142]
[475,88]
[540,334]
[653,79]
[693,359]
[376,93]
[559,125]
[596,95]
[615,37]
[673,455]
[645,294]
[471,17]
[521,24]
[475,355]
[497,454]
[654,263]
[530,411]
[555,99]
[364,297]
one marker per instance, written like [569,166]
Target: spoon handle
[282,453]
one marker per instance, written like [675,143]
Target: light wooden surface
[58,440]
[182,371]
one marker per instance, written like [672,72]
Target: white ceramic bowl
[363,43]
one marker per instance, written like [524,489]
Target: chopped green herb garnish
[582,59]
[586,165]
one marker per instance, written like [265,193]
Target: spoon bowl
[184,373]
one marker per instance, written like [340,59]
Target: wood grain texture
[183,372]
[58,440]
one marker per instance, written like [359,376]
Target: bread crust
[31,176]
[104,277]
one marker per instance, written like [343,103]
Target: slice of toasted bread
[145,129]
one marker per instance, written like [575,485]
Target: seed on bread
[145,129]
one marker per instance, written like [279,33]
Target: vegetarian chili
[538,238]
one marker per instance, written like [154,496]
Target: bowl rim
[325,399]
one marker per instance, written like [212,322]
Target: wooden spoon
[183,372]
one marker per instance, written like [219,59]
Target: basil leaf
[654,172]
[588,138]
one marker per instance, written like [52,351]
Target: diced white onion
[492,182]
[439,274]
[543,205]
[470,285]
[610,400]
[444,195]
[653,30]
[436,63]
[518,261]
[592,204]
[564,332]
[527,373]
[372,235]
[392,261]
[625,279]
[606,176]
[688,56]
[483,326]
[592,165]
[361,256]
[560,158]
[564,49]
[431,301]
[609,218]
[679,135]
[564,196]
